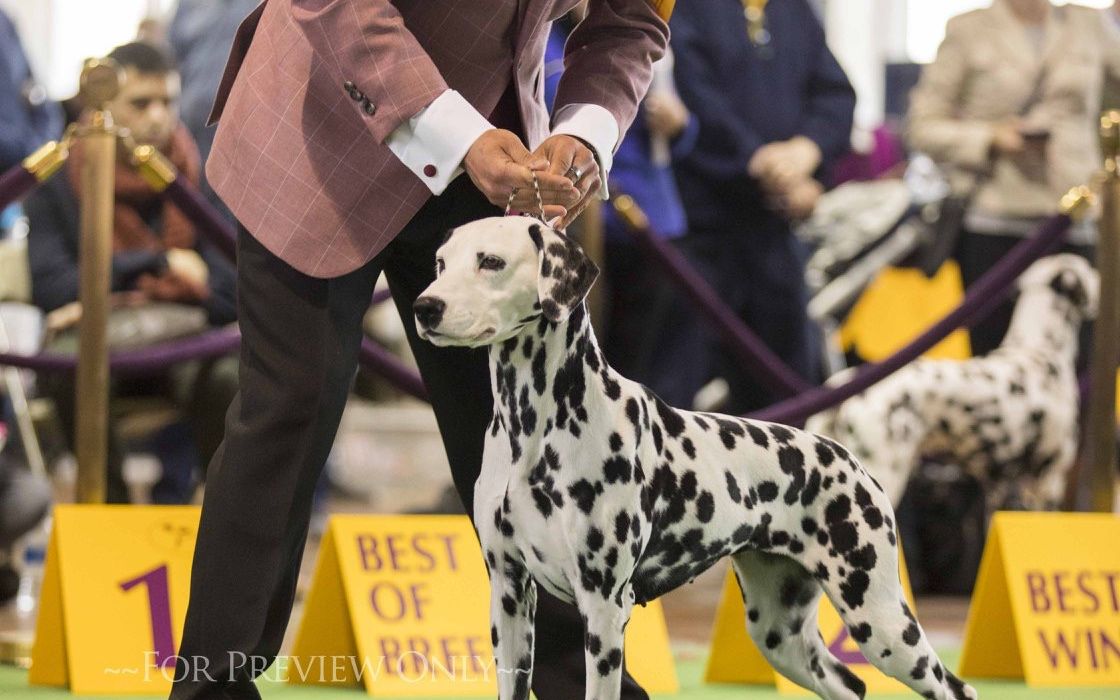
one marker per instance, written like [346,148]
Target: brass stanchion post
[1101,424]
[98,142]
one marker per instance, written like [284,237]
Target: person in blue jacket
[27,118]
[774,111]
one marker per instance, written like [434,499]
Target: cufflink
[430,170]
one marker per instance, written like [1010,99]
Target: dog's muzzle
[428,311]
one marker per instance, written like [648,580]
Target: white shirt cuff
[595,125]
[433,143]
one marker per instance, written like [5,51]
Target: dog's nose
[429,311]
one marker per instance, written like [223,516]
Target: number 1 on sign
[159,611]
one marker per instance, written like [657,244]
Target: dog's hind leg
[513,605]
[873,607]
[781,601]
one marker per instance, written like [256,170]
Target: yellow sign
[664,8]
[114,595]
[408,597]
[900,304]
[734,657]
[1047,602]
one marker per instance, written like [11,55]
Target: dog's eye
[490,262]
[440,266]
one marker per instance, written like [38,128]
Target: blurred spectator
[1010,105]
[159,262]
[27,118]
[774,111]
[201,34]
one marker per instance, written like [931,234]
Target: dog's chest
[543,541]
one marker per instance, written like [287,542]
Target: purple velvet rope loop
[980,299]
[15,183]
[215,343]
[766,367]
[377,359]
[141,361]
[211,223]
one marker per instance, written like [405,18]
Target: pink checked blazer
[313,88]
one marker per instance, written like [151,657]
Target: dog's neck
[1044,323]
[547,378]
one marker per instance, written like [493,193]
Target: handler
[340,119]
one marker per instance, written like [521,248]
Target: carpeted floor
[13,686]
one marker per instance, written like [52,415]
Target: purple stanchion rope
[215,343]
[377,359]
[15,183]
[766,367]
[213,225]
[980,299]
[141,361]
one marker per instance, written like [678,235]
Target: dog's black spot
[705,507]
[863,558]
[854,587]
[781,433]
[767,491]
[595,539]
[850,680]
[919,670]
[733,487]
[758,435]
[752,615]
[584,494]
[773,639]
[861,632]
[617,468]
[825,455]
[689,448]
[674,424]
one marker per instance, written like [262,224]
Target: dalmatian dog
[1009,418]
[595,489]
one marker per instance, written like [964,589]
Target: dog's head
[1066,277]
[496,276]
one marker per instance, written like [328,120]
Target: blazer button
[430,170]
[356,95]
[368,107]
[348,86]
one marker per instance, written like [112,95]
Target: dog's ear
[564,275]
[1079,287]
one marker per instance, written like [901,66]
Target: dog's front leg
[513,606]
[605,620]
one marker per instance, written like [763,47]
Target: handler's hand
[498,163]
[562,153]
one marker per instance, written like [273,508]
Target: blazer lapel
[529,13]
[1012,38]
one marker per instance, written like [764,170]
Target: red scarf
[133,194]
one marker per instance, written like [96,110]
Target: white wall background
[59,34]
